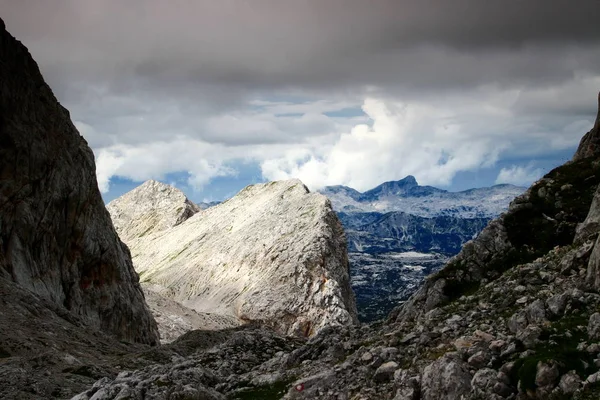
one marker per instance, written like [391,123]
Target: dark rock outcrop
[590,144]
[56,237]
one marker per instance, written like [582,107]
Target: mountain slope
[400,232]
[274,253]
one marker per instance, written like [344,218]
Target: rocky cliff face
[590,144]
[274,253]
[56,237]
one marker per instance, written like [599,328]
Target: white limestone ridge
[151,207]
[275,253]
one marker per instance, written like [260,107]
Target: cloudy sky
[214,95]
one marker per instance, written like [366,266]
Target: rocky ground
[174,320]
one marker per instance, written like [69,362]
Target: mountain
[425,201]
[274,253]
[152,207]
[515,315]
[387,224]
[68,292]
[400,232]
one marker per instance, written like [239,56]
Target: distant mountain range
[408,196]
[400,232]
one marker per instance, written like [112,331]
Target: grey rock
[529,336]
[518,322]
[483,383]
[150,208]
[593,269]
[590,143]
[478,360]
[406,393]
[556,304]
[385,372]
[446,378]
[536,313]
[593,327]
[546,374]
[310,387]
[591,225]
[570,382]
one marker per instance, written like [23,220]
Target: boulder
[446,378]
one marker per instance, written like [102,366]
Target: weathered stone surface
[385,372]
[591,225]
[590,143]
[56,237]
[151,207]
[173,319]
[447,378]
[593,328]
[593,269]
[546,375]
[556,304]
[570,382]
[274,253]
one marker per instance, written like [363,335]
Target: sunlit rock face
[275,253]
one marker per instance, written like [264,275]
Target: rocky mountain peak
[57,241]
[151,207]
[590,143]
[394,187]
[274,253]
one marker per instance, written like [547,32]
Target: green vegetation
[274,391]
[591,392]
[560,344]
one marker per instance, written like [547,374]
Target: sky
[214,95]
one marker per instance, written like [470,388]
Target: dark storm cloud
[186,45]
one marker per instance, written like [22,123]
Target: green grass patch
[270,392]
[561,340]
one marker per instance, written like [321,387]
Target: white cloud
[432,139]
[155,160]
[520,176]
